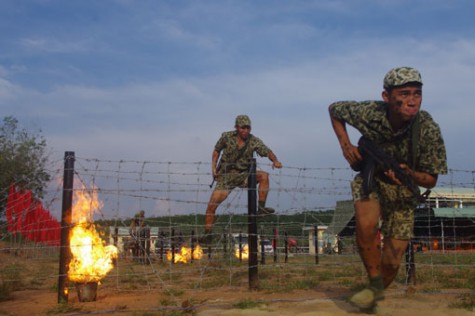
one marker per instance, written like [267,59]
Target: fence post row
[252,226]
[263,254]
[410,264]
[66,211]
[286,247]
[315,233]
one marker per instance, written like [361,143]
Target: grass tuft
[464,301]
[246,304]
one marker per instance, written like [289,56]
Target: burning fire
[91,260]
[244,252]
[186,254]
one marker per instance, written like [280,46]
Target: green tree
[23,160]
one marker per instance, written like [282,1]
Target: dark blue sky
[110,78]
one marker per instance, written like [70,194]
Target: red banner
[26,216]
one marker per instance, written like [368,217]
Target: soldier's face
[404,102]
[243,131]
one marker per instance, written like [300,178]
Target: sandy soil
[222,302]
[39,278]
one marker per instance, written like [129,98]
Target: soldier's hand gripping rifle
[374,156]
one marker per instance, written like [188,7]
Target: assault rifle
[374,156]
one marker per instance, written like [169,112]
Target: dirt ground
[38,294]
[223,302]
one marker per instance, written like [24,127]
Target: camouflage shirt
[369,118]
[232,159]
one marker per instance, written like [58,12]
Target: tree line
[23,160]
[292,224]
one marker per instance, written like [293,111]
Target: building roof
[452,193]
[124,231]
[319,227]
[451,212]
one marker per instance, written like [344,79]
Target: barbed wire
[167,190]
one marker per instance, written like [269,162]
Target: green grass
[435,272]
[174,292]
[445,259]
[247,304]
[11,280]
[464,301]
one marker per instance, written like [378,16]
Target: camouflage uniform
[397,202]
[232,170]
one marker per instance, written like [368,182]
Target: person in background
[140,233]
[399,127]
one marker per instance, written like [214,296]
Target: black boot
[263,210]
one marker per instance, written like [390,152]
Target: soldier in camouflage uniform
[390,124]
[237,149]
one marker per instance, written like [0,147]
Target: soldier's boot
[262,210]
[367,299]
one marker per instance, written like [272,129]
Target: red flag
[37,226]
[28,217]
[54,239]
[56,233]
[21,207]
[29,222]
[43,227]
[48,227]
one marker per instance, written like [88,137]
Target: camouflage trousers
[397,207]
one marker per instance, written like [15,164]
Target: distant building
[327,243]
[120,236]
[452,198]
[445,222]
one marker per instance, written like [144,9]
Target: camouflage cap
[400,76]
[243,120]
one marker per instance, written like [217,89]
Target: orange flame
[244,252]
[198,253]
[91,260]
[186,254]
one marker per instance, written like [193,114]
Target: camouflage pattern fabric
[231,160]
[400,76]
[233,166]
[369,118]
[243,120]
[397,205]
[231,180]
[397,202]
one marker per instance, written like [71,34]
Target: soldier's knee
[391,267]
[262,176]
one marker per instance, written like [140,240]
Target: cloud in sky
[160,80]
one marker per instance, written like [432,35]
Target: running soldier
[398,127]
